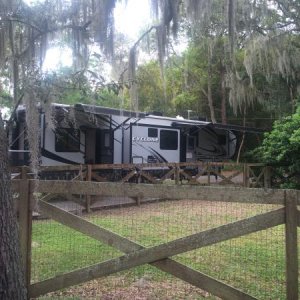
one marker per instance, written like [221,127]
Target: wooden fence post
[291,245]
[177,173]
[23,172]
[245,175]
[25,227]
[208,173]
[80,173]
[267,177]
[88,197]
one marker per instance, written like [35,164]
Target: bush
[281,149]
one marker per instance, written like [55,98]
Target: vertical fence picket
[267,177]
[177,173]
[23,172]
[245,175]
[291,246]
[88,197]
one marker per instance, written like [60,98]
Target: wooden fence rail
[160,255]
[193,173]
[196,173]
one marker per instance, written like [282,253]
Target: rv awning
[92,116]
[240,128]
[84,119]
[190,124]
[100,110]
[199,124]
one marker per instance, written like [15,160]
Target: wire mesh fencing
[254,263]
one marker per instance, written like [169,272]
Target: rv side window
[67,140]
[152,132]
[222,139]
[168,140]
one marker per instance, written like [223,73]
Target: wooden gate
[159,256]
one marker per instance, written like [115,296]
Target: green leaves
[281,148]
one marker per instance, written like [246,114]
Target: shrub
[281,149]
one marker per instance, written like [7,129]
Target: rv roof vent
[157,113]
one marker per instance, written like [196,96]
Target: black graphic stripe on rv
[214,151]
[154,153]
[157,155]
[56,157]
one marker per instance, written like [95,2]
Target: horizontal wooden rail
[163,191]
[190,172]
[156,253]
[255,164]
[132,166]
[126,166]
[62,168]
[172,267]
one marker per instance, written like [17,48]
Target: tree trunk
[209,96]
[293,100]
[223,94]
[11,274]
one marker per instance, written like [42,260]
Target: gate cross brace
[257,178]
[157,255]
[229,178]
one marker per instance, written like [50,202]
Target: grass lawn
[254,263]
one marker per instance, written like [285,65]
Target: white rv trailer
[99,135]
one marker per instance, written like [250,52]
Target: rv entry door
[104,148]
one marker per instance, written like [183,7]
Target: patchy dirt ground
[144,288]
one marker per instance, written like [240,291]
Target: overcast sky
[130,19]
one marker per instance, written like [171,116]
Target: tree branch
[22,22]
[143,35]
[52,30]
